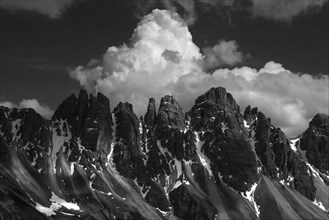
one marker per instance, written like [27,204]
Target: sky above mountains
[270,54]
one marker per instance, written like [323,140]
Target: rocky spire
[150,116]
[170,113]
[315,140]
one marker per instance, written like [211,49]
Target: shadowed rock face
[88,119]
[28,131]
[263,144]
[303,181]
[187,204]
[210,162]
[315,140]
[218,118]
[150,116]
[170,113]
[127,155]
[276,156]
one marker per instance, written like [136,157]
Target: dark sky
[38,48]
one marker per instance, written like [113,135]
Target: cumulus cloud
[223,53]
[52,8]
[162,59]
[291,100]
[161,52]
[43,110]
[284,10]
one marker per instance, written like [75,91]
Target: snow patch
[165,214]
[140,128]
[320,205]
[178,165]
[163,150]
[177,184]
[224,127]
[290,179]
[315,173]
[245,123]
[293,144]
[249,195]
[203,158]
[72,168]
[110,155]
[34,162]
[69,214]
[56,203]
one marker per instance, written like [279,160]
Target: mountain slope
[212,162]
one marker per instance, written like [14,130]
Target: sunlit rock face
[212,162]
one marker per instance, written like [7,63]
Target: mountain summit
[212,162]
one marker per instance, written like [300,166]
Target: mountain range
[93,161]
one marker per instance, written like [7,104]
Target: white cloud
[223,53]
[43,110]
[163,59]
[289,99]
[8,104]
[52,8]
[284,10]
[161,52]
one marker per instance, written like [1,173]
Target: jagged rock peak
[220,96]
[67,109]
[124,107]
[216,103]
[27,130]
[263,128]
[150,116]
[83,101]
[250,114]
[170,113]
[315,140]
[88,118]
[81,106]
[320,121]
[127,128]
[27,121]
[103,100]
[97,103]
